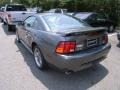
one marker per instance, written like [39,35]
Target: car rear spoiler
[81,31]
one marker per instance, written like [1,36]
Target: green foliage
[2,2]
[110,8]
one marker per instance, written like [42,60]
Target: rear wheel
[38,57]
[9,27]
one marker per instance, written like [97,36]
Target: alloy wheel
[38,57]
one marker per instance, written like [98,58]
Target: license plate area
[92,42]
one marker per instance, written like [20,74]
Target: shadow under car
[12,32]
[55,80]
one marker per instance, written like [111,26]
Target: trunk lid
[85,38]
[79,30]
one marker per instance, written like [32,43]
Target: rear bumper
[81,60]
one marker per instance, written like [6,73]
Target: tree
[110,8]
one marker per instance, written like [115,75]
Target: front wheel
[38,57]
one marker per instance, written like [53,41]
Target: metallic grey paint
[47,41]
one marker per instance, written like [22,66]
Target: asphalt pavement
[18,70]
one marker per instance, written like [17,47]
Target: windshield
[63,22]
[16,8]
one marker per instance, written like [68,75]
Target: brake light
[105,39]
[65,47]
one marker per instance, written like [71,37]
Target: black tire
[9,27]
[4,23]
[17,37]
[1,20]
[39,59]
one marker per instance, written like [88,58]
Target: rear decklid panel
[85,38]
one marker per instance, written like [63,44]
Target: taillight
[105,39]
[65,47]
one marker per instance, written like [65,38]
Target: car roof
[44,14]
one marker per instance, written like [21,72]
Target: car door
[28,24]
[31,33]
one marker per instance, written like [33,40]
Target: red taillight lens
[105,39]
[65,47]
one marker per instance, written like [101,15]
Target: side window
[37,25]
[29,21]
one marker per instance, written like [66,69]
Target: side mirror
[28,25]
[21,23]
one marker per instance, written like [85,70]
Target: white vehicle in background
[1,13]
[14,13]
[57,10]
[35,9]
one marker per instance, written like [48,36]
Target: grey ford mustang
[63,41]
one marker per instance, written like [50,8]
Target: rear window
[63,22]
[16,8]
